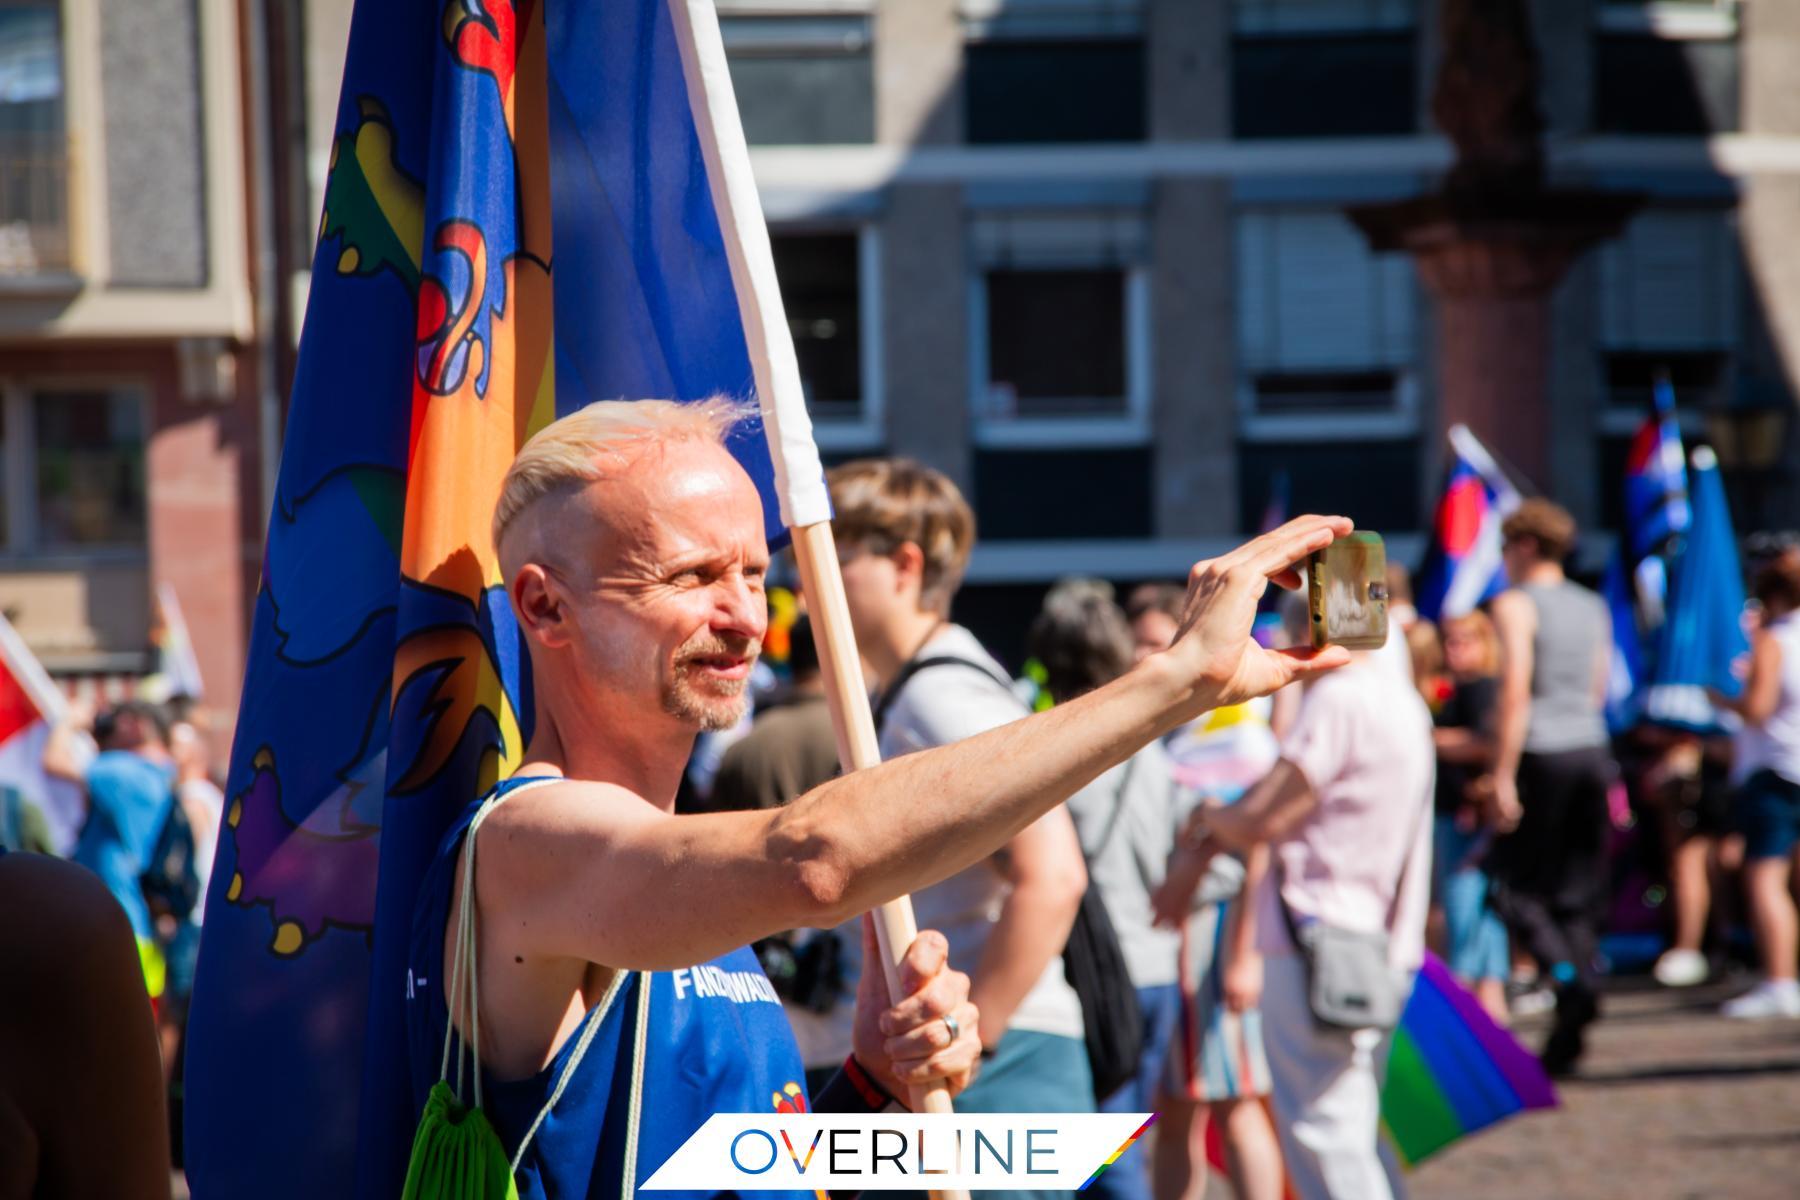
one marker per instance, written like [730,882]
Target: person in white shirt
[1347,814]
[1768,799]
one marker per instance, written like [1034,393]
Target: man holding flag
[634,555]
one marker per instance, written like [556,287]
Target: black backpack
[1093,962]
[171,879]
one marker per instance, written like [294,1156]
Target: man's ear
[541,605]
[909,569]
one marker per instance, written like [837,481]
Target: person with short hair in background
[905,533]
[1126,822]
[1552,768]
[1768,798]
[1217,1070]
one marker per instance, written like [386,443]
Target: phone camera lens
[1378,590]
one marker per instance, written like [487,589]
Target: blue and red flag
[1656,500]
[1463,566]
[531,206]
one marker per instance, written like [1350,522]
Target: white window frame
[1101,430]
[1267,19]
[1695,20]
[1400,421]
[23,540]
[866,430]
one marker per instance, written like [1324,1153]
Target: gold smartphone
[1347,593]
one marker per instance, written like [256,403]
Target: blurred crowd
[1176,937]
[1458,787]
[144,812]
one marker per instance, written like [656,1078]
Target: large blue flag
[1463,567]
[1703,635]
[1625,678]
[386,686]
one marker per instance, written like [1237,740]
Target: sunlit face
[671,613]
[1151,632]
[1465,653]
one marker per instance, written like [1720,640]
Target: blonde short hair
[579,449]
[880,504]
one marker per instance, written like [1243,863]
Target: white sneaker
[1532,1003]
[1680,968]
[1770,998]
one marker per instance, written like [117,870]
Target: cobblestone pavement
[1673,1101]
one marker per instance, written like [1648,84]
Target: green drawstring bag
[456,1153]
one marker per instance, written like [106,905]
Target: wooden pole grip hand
[848,697]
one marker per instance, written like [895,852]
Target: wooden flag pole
[816,555]
[800,487]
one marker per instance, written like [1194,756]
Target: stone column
[1194,359]
[1770,296]
[1187,49]
[1494,364]
[1193,330]
[925,334]
[918,73]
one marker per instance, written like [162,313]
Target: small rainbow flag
[1101,1169]
[1452,1070]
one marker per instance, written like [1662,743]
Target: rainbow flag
[1453,1071]
[387,684]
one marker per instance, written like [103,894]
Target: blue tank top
[714,1038]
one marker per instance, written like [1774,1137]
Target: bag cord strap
[891,692]
[465,995]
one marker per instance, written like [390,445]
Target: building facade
[1089,257]
[131,441]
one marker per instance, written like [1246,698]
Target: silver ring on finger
[952,1028]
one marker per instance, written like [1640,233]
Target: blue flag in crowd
[386,686]
[1626,669]
[1703,635]
[1656,499]
[1463,566]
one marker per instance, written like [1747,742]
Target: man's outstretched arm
[592,872]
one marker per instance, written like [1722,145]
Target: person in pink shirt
[1346,812]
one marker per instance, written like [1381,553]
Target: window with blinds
[1670,282]
[1060,311]
[1324,324]
[802,80]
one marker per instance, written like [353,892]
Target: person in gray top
[1126,822]
[1553,766]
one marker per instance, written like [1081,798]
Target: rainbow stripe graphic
[1453,1071]
[1114,1157]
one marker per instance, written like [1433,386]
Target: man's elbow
[817,869]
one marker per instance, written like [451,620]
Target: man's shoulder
[950,701]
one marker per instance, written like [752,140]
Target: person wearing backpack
[1126,821]
[904,533]
[130,789]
